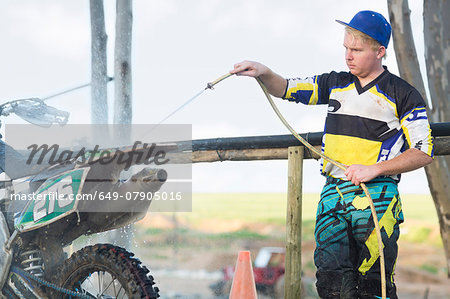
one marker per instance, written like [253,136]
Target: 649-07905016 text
[130,196]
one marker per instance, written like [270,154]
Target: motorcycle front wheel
[106,271]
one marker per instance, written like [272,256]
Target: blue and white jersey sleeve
[414,123]
[302,90]
[311,90]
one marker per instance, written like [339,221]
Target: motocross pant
[347,254]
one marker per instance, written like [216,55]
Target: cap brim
[343,23]
[346,24]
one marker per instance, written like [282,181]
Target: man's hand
[250,68]
[275,84]
[357,173]
[409,160]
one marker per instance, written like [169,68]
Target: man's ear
[381,52]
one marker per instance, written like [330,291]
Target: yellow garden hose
[340,165]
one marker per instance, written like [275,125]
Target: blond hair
[375,45]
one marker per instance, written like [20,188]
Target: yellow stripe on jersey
[302,86]
[309,84]
[407,135]
[315,96]
[348,87]
[430,142]
[374,90]
[351,150]
[411,112]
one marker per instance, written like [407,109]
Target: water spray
[210,85]
[109,79]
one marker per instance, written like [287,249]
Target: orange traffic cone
[243,286]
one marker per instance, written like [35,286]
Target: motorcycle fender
[5,255]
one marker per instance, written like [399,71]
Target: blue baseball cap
[373,24]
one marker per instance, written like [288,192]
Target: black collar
[371,84]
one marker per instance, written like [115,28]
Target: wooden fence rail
[273,147]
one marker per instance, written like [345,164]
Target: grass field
[246,212]
[220,224]
[271,207]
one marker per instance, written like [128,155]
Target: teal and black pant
[347,255]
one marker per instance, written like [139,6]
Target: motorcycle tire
[106,271]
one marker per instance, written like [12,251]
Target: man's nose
[348,55]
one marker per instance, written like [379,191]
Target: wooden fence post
[293,261]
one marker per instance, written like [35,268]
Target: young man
[377,125]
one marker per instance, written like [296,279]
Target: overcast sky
[179,46]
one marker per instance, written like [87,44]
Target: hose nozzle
[210,85]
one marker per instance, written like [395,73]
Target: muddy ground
[184,265]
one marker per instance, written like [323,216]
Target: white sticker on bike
[59,193]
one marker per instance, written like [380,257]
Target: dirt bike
[34,232]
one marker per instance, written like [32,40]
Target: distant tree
[437,58]
[123,111]
[122,62]
[122,74]
[99,77]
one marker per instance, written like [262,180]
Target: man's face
[360,57]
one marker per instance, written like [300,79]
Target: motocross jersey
[365,125]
